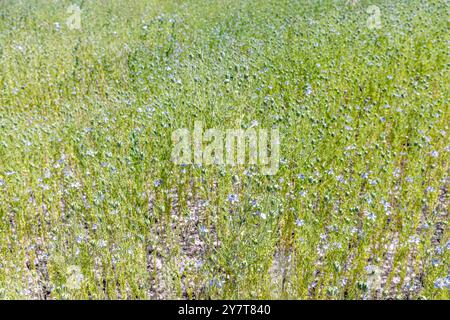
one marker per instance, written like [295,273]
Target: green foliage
[92,207]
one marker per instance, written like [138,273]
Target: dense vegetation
[91,205]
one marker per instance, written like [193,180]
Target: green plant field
[93,207]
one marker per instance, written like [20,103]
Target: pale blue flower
[233,198]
